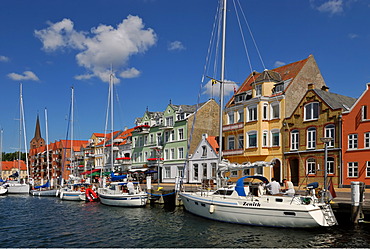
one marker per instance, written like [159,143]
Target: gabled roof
[187,108]
[283,73]
[335,101]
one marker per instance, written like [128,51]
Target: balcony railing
[232,127]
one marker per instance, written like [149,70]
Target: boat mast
[1,153]
[111,118]
[47,146]
[23,130]
[72,154]
[222,84]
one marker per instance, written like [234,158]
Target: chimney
[311,86]
[325,88]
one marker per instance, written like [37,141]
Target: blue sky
[158,50]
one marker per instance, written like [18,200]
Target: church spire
[37,141]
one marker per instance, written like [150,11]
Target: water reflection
[28,221]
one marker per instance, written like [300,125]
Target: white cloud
[27,75]
[279,64]
[353,36]
[332,6]
[176,45]
[101,48]
[130,73]
[3,58]
[214,90]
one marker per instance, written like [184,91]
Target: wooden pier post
[357,198]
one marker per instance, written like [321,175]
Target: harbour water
[27,221]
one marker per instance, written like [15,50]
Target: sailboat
[123,194]
[3,189]
[74,190]
[44,190]
[244,202]
[19,186]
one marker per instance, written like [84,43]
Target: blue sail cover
[117,178]
[15,175]
[239,188]
[46,185]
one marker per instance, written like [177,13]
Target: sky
[160,52]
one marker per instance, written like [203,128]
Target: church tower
[37,141]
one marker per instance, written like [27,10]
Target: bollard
[357,197]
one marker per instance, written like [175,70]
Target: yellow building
[252,128]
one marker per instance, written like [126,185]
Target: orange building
[10,167]
[356,141]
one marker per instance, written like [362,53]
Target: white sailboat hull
[3,190]
[273,211]
[71,195]
[113,198]
[49,192]
[18,188]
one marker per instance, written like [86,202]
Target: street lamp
[326,140]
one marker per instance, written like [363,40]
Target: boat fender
[211,208]
[57,193]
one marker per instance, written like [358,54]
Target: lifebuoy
[91,195]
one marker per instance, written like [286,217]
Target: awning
[151,172]
[90,171]
[138,170]
[123,158]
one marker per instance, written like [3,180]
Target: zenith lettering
[251,204]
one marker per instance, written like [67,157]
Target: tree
[14,156]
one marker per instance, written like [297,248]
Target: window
[204,151]
[352,141]
[329,132]
[234,173]
[294,140]
[145,140]
[145,156]
[140,156]
[231,117]
[241,115]
[259,170]
[169,121]
[181,134]
[167,172]
[258,90]
[196,173]
[265,111]
[252,113]
[159,138]
[166,155]
[265,138]
[135,157]
[172,135]
[166,136]
[311,138]
[330,165]
[213,170]
[140,141]
[252,139]
[311,111]
[172,153]
[364,112]
[246,172]
[275,138]
[353,169]
[241,141]
[231,143]
[368,169]
[180,171]
[180,153]
[151,138]
[204,166]
[275,110]
[180,116]
[311,166]
[367,140]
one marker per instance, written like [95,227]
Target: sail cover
[239,188]
[117,178]
[46,185]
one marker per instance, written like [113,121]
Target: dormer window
[258,90]
[311,111]
[279,88]
[364,112]
[181,116]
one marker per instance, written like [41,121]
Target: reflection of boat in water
[245,203]
[117,194]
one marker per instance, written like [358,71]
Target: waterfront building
[11,167]
[93,153]
[253,117]
[356,141]
[318,115]
[160,139]
[203,162]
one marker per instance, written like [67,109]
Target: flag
[332,190]
[213,81]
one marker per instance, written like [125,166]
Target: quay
[341,204]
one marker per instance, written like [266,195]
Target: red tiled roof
[9,165]
[213,142]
